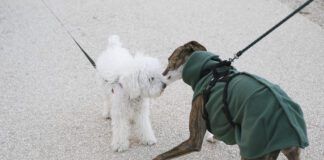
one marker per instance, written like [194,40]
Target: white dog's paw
[106,110]
[211,139]
[120,147]
[149,142]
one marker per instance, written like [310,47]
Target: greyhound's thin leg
[292,153]
[271,156]
[197,128]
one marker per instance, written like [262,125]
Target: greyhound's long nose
[165,72]
[164,85]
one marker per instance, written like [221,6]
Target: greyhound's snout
[164,85]
[165,72]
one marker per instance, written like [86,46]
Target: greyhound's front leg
[197,128]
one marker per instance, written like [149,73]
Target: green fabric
[269,119]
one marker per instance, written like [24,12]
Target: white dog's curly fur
[130,82]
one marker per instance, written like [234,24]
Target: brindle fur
[197,124]
[197,129]
[180,55]
[271,156]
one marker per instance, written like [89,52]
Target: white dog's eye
[151,79]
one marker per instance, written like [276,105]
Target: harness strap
[226,78]
[205,113]
[225,95]
[206,94]
[217,77]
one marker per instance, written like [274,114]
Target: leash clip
[236,56]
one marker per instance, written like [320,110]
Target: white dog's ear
[131,85]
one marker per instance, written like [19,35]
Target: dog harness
[244,109]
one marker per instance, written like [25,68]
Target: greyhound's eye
[151,79]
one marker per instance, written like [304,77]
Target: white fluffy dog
[130,81]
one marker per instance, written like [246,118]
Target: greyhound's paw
[211,139]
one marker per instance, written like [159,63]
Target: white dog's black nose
[164,85]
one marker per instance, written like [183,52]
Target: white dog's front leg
[106,107]
[120,128]
[120,124]
[143,123]
[107,99]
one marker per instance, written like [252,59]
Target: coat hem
[275,148]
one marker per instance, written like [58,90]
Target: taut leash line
[228,76]
[85,53]
[68,32]
[238,54]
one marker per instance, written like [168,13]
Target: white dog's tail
[113,41]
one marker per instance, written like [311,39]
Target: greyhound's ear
[195,46]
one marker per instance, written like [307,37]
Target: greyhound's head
[178,59]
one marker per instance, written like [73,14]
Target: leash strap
[84,52]
[67,31]
[238,54]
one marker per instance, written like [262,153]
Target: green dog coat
[268,119]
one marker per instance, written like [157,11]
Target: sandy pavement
[51,98]
[314,12]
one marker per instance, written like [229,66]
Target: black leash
[85,53]
[75,41]
[217,78]
[225,62]
[238,54]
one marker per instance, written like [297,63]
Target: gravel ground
[50,101]
[315,11]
